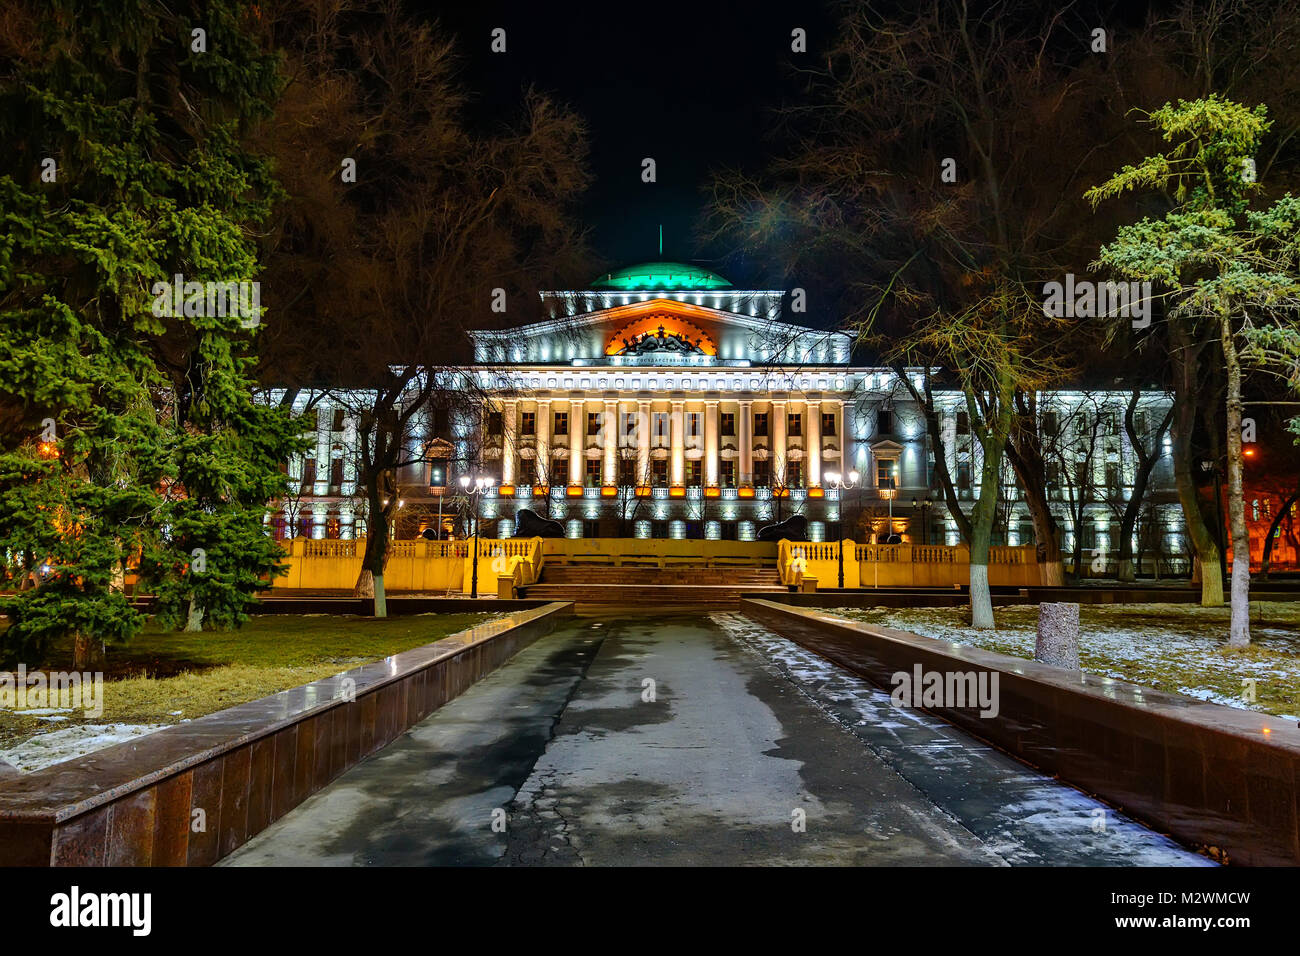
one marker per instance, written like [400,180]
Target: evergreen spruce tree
[1219,265]
[129,437]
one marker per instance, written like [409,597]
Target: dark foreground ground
[693,739]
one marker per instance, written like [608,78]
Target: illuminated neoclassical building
[662,401]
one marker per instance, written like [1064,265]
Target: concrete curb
[141,803]
[1214,777]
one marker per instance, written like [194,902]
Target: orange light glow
[48,449]
[643,491]
[713,492]
[677,318]
[608,491]
[745,492]
[677,491]
[506,490]
[574,491]
[1249,453]
[816,493]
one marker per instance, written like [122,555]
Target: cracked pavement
[689,739]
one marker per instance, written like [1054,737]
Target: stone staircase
[651,588]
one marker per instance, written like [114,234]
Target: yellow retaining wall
[659,552]
[418,565]
[902,565]
[434,566]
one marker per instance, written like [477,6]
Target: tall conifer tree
[129,437]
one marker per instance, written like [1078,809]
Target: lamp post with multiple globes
[837,481]
[925,518]
[476,488]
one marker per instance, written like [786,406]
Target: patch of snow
[1119,643]
[45,750]
[1024,818]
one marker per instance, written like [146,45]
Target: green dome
[660,275]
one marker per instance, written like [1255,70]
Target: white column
[746,445]
[643,424]
[677,424]
[543,459]
[508,442]
[577,426]
[611,443]
[777,457]
[324,414]
[813,412]
[948,429]
[350,452]
[711,443]
[848,456]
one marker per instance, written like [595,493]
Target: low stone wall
[413,565]
[286,602]
[1212,776]
[1003,596]
[235,772]
[902,565]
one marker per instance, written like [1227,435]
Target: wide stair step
[570,574]
[661,588]
[659,596]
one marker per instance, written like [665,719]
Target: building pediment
[662,330]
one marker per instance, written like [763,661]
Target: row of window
[1267,510]
[311,420]
[627,476]
[659,423]
[1107,423]
[593,473]
[1082,476]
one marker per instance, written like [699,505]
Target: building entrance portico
[662,402]
[699,408]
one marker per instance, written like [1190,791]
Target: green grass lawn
[163,677]
[1174,647]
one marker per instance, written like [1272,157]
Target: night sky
[692,85]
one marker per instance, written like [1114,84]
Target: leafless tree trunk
[1239,627]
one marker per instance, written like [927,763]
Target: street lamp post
[436,475]
[925,518]
[836,481]
[481,486]
[890,494]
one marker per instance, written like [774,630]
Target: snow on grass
[1172,647]
[161,677]
[57,746]
[1025,818]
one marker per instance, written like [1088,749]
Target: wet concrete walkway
[692,740]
